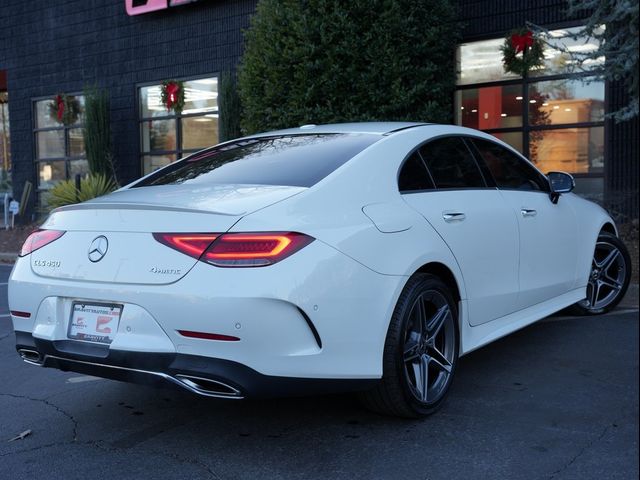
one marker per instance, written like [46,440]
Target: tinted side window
[451,164]
[509,170]
[414,175]
[291,160]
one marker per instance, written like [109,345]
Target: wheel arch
[445,274]
[608,227]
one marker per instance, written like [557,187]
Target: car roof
[376,128]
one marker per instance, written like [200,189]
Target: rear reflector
[39,239]
[208,336]
[17,313]
[236,249]
[192,244]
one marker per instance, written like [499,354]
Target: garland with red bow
[65,109]
[172,95]
[522,50]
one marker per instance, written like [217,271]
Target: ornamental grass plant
[92,186]
[97,133]
[229,105]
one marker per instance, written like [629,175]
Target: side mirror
[560,182]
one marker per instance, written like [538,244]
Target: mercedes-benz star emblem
[98,248]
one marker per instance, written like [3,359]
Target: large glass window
[166,136]
[490,107]
[553,116]
[60,153]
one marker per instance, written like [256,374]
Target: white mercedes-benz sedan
[354,257]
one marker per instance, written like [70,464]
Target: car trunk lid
[110,239]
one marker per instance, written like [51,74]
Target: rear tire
[420,352]
[608,279]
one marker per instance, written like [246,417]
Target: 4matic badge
[165,271]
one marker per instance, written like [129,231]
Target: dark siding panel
[622,159]
[491,18]
[61,46]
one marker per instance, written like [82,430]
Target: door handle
[453,216]
[528,212]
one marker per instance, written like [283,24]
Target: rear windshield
[291,160]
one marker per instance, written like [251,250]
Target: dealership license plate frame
[94,336]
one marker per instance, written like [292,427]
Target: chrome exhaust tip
[208,387]
[30,356]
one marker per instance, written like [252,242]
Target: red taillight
[39,239]
[254,249]
[18,313]
[192,244]
[236,249]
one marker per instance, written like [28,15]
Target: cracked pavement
[557,400]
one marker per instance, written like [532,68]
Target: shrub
[229,107]
[97,132]
[92,186]
[323,61]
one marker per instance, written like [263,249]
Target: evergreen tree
[324,61]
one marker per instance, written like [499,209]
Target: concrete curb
[630,299]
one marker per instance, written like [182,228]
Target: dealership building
[129,47]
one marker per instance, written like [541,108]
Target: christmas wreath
[522,50]
[172,95]
[65,109]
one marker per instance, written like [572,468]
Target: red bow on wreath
[172,94]
[60,104]
[520,42]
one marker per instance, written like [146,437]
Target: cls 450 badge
[47,263]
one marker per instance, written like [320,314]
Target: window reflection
[558,62]
[200,96]
[152,163]
[480,62]
[176,134]
[51,144]
[490,107]
[158,135]
[575,150]
[51,173]
[64,143]
[76,142]
[512,138]
[199,132]
[550,105]
[566,101]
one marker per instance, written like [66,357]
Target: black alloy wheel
[609,276]
[421,351]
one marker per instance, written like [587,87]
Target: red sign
[136,7]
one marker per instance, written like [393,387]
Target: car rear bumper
[317,315]
[212,377]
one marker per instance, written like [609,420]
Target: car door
[442,181]
[548,231]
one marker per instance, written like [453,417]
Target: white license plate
[93,322]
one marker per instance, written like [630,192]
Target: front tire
[420,353]
[609,277]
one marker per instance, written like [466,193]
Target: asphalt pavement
[556,400]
